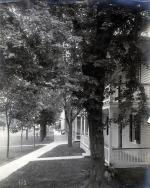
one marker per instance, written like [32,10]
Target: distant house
[76,125]
[80,127]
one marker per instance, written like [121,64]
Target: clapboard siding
[114,129]
[145,128]
[145,74]
[145,138]
[126,141]
[106,138]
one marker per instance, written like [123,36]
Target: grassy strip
[16,152]
[49,174]
[64,150]
[70,174]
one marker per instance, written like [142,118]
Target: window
[78,124]
[135,129]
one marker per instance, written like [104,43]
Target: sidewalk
[13,166]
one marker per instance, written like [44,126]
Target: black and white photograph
[74,93]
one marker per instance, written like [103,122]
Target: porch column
[110,145]
[76,127]
[110,139]
[84,126]
[82,123]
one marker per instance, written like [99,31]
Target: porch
[127,157]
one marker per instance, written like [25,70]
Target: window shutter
[83,125]
[137,130]
[107,126]
[130,128]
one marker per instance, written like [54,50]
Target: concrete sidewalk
[13,166]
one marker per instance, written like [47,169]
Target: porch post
[110,145]
[75,129]
[110,139]
[84,126]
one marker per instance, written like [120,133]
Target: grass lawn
[133,177]
[64,150]
[49,174]
[70,174]
[16,152]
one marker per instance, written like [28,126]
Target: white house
[135,149]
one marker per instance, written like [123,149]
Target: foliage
[77,50]
[48,105]
[110,42]
[111,37]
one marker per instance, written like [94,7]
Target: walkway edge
[9,168]
[59,158]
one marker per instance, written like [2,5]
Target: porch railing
[126,157]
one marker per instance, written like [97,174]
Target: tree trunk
[21,137]
[8,140]
[69,125]
[70,135]
[45,131]
[34,136]
[8,134]
[96,148]
[93,107]
[27,133]
[42,131]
